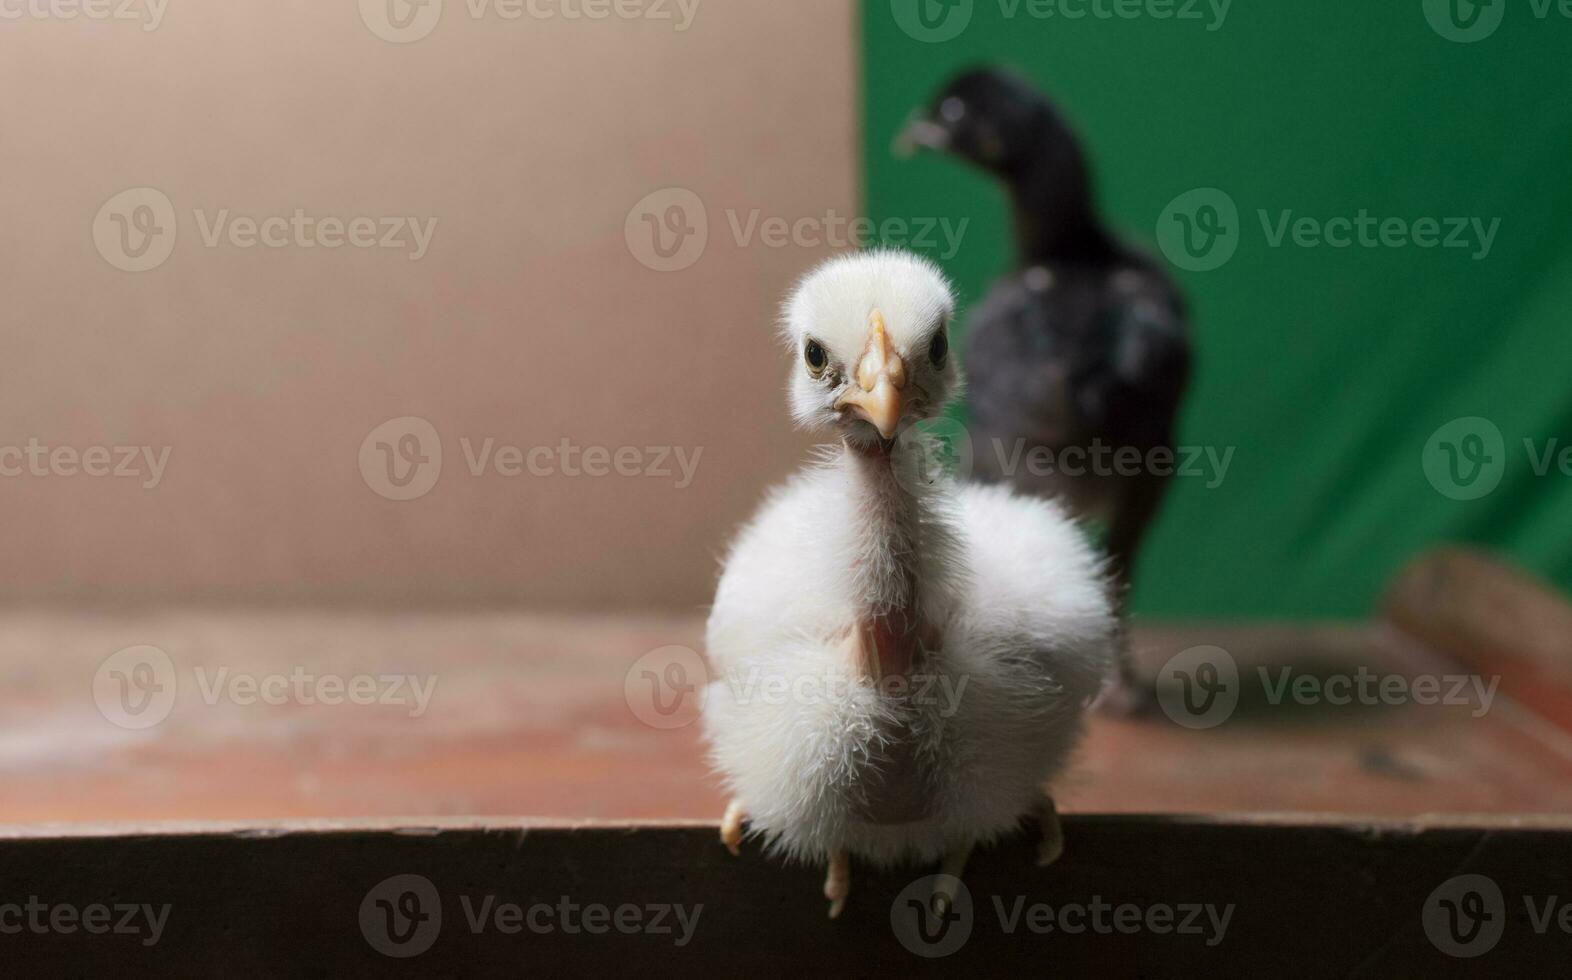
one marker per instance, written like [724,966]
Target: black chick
[1084,347]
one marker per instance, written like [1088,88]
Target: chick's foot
[1051,846]
[731,827]
[949,879]
[1128,695]
[837,882]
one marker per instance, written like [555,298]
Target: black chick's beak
[921,133]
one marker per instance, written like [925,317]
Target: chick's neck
[890,635]
[1053,211]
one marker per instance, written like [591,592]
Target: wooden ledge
[432,826]
[1296,896]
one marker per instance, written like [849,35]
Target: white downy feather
[1016,599]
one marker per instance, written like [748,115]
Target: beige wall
[529,320]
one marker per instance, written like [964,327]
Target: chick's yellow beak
[881,374]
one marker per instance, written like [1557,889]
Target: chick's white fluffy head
[833,310]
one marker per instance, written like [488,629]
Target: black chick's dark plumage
[1083,350]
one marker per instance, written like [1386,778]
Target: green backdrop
[1327,368]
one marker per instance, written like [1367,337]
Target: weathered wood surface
[529,715]
[1468,604]
[1495,619]
[1308,898]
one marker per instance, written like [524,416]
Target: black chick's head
[989,117]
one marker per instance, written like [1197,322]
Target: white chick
[901,663]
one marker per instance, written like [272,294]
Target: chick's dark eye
[939,349]
[813,354]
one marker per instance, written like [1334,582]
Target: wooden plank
[1494,618]
[1300,898]
[1468,604]
[529,715]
